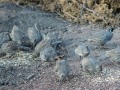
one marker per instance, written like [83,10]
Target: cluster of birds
[89,65]
[46,49]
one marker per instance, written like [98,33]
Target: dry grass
[100,11]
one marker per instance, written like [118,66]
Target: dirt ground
[44,77]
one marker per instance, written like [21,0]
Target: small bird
[48,54]
[45,43]
[49,40]
[91,66]
[82,50]
[114,55]
[102,37]
[62,68]
[9,48]
[34,35]
[54,37]
[16,34]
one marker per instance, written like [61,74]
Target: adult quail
[114,55]
[34,35]
[48,54]
[102,37]
[62,69]
[82,50]
[16,34]
[91,66]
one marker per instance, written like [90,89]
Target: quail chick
[9,48]
[62,68]
[34,35]
[114,55]
[16,34]
[54,37]
[50,40]
[48,54]
[82,50]
[102,37]
[45,43]
[91,66]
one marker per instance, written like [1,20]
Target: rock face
[90,66]
[114,55]
[82,50]
[102,37]
[48,54]
[62,68]
[4,37]
[34,35]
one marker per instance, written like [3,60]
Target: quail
[114,55]
[45,43]
[54,37]
[82,50]
[91,66]
[48,54]
[16,34]
[9,48]
[34,35]
[49,40]
[62,69]
[102,37]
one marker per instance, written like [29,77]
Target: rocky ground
[22,72]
